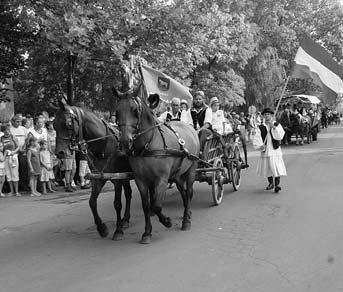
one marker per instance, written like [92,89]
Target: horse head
[295,119]
[67,128]
[133,116]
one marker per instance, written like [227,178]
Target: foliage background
[238,50]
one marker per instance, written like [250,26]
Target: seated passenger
[174,114]
[201,116]
[218,119]
[184,105]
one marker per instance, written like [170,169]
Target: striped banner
[314,62]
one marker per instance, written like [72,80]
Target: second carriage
[221,163]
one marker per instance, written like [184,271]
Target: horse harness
[165,151]
[79,144]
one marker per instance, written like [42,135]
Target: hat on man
[267,110]
[214,100]
[199,92]
[17,117]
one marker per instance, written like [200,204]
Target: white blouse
[218,121]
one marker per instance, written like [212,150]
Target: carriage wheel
[217,182]
[235,168]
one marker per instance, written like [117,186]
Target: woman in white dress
[267,139]
[39,131]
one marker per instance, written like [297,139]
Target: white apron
[270,162]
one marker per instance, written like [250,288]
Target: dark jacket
[198,117]
[263,129]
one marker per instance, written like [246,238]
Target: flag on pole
[313,61]
[166,87]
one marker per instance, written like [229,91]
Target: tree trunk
[71,78]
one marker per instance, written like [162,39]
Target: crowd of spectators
[28,163]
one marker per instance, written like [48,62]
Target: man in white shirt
[20,132]
[174,114]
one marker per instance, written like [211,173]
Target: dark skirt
[35,161]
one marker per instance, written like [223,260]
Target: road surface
[255,240]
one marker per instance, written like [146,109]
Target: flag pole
[144,91]
[282,94]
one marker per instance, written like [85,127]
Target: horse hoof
[103,230]
[167,222]
[118,235]
[186,226]
[146,239]
[125,224]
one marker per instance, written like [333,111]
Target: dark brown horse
[301,125]
[157,156]
[74,124]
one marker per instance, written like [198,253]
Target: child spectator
[70,169]
[51,134]
[2,169]
[11,161]
[83,170]
[34,165]
[47,173]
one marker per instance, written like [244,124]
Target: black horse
[74,124]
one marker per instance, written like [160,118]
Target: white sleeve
[186,117]
[278,132]
[162,118]
[257,141]
[208,116]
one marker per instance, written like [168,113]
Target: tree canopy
[238,50]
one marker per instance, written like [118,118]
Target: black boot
[271,183]
[277,187]
[69,188]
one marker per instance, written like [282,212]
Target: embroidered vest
[170,118]
[263,129]
[198,117]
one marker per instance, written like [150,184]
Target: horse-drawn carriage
[151,153]
[305,121]
[221,163]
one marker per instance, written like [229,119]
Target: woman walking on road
[267,139]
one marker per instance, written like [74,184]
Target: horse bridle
[71,118]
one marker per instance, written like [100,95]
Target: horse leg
[190,178]
[118,233]
[128,197]
[144,192]
[152,200]
[96,188]
[302,138]
[181,186]
[159,191]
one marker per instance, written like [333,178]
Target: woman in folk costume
[267,139]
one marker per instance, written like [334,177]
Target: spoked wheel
[235,168]
[217,182]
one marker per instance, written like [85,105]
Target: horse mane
[101,120]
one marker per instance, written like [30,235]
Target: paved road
[254,241]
